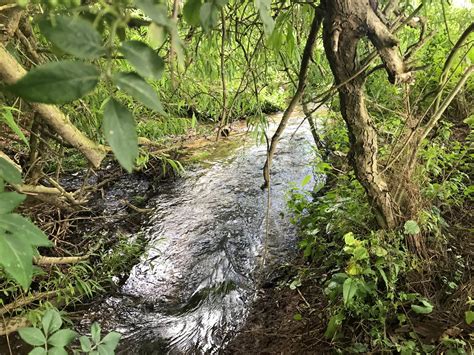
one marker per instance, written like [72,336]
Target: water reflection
[195,283]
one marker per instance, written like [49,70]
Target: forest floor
[275,324]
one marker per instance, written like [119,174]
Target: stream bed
[211,239]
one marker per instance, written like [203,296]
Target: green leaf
[8,118]
[334,324]
[135,86]
[143,58]
[86,345]
[119,130]
[411,227]
[16,256]
[38,351]
[469,316]
[112,339]
[19,225]
[306,180]
[57,351]
[62,338]
[349,289]
[379,251]
[295,284]
[9,201]
[51,321]
[105,350]
[73,35]
[349,239]
[360,253]
[384,276]
[57,82]
[95,332]
[157,12]
[264,10]
[191,12]
[9,172]
[208,15]
[425,309]
[298,317]
[32,336]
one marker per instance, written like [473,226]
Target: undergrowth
[379,296]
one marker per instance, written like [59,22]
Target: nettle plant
[49,339]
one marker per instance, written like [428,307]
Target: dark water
[209,246]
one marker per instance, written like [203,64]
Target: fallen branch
[25,301]
[11,71]
[49,260]
[11,325]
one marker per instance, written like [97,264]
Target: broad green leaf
[349,289]
[57,82]
[425,309]
[32,336]
[191,12]
[73,35]
[469,316]
[208,15]
[112,339]
[143,58]
[411,227]
[105,350]
[38,351]
[51,321]
[360,253]
[119,130]
[16,256]
[156,35]
[135,86]
[19,225]
[157,12]
[55,350]
[8,118]
[353,269]
[86,345]
[9,173]
[349,239]
[62,338]
[9,201]
[470,120]
[95,332]
[334,324]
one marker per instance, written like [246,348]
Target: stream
[210,243]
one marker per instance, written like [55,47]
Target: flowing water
[210,241]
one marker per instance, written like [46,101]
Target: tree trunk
[345,23]
[302,75]
[10,72]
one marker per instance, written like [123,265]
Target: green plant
[19,237]
[50,339]
[95,345]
